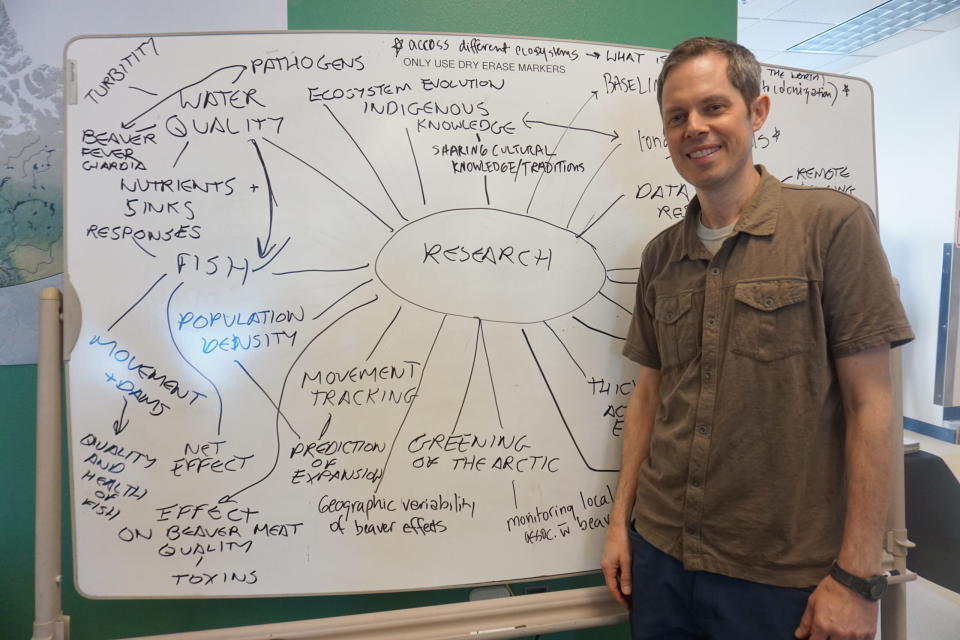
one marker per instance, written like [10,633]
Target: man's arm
[833,610]
[642,408]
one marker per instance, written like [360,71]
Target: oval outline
[376,264]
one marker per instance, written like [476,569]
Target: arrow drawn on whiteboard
[370,164]
[473,365]
[589,182]
[230,497]
[149,93]
[190,364]
[139,300]
[179,155]
[380,339]
[141,247]
[601,294]
[609,279]
[330,180]
[264,248]
[562,344]
[332,304]
[613,136]
[267,396]
[557,405]
[595,329]
[273,257]
[493,387]
[120,424]
[593,222]
[416,394]
[593,96]
[423,194]
[287,273]
[129,123]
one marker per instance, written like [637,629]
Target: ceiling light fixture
[883,21]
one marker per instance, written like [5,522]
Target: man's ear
[759,111]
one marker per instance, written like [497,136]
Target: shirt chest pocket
[771,319]
[677,329]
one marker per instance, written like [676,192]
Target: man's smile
[703,152]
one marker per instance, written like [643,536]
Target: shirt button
[715,271]
[707,374]
[692,531]
[696,483]
[711,321]
[702,429]
[768,302]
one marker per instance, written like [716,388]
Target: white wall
[917,105]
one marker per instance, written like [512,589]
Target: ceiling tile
[779,34]
[805,60]
[856,61]
[825,10]
[943,23]
[765,55]
[761,8]
[845,63]
[898,41]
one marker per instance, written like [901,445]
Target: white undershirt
[712,239]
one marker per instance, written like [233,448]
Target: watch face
[877,587]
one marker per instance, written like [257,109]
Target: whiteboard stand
[495,619]
[516,617]
[49,623]
[893,607]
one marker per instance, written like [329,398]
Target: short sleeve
[861,305]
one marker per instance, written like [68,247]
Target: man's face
[708,126]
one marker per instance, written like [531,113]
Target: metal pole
[48,622]
[893,607]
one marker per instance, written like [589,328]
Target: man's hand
[834,612]
[615,563]
[642,407]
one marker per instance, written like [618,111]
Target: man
[755,461]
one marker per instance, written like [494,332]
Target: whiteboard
[351,305]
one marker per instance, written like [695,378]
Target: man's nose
[696,125]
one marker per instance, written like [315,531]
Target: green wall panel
[653,23]
[649,23]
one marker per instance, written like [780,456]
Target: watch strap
[871,588]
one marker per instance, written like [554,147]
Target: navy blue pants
[671,603]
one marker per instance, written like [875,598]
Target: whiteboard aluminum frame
[583,602]
[72,312]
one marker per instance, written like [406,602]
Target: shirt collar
[758,218]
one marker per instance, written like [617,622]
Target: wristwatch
[871,588]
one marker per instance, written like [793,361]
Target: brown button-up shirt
[745,472]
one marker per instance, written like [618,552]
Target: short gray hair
[743,70]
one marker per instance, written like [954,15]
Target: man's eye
[715,107]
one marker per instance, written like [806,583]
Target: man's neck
[721,207]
